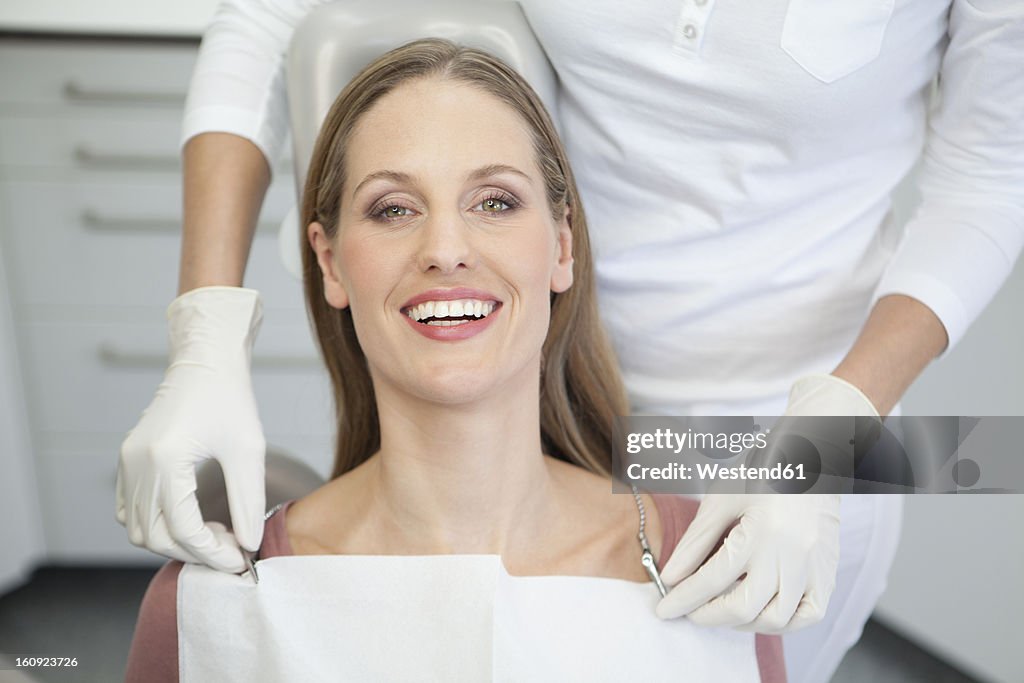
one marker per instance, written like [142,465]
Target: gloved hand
[787,545]
[205,408]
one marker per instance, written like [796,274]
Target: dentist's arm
[898,341]
[205,406]
[234,129]
[225,181]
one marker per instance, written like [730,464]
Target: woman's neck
[467,478]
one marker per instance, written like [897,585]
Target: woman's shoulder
[275,532]
[154,651]
[675,513]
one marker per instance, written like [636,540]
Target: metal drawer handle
[96,222]
[110,355]
[75,92]
[112,161]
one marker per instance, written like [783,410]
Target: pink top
[154,654]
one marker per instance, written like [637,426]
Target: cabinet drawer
[101,139]
[98,378]
[75,74]
[105,142]
[118,244]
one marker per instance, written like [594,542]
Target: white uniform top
[736,165]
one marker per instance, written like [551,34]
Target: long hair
[581,388]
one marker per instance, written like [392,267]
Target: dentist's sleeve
[238,85]
[961,244]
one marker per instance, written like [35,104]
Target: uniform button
[689,30]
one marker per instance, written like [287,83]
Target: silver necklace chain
[647,557]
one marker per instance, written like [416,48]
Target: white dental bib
[438,618]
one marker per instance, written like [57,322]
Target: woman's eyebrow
[495,169]
[396,176]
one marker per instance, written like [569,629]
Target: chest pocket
[833,38]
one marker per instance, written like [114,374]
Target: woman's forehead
[440,125]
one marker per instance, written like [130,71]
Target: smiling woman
[455,178]
[448,277]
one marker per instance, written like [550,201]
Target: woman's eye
[391,211]
[495,204]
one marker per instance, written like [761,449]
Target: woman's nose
[445,242]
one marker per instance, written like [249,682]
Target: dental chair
[287,478]
[331,45]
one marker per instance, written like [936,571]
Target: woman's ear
[561,276]
[334,289]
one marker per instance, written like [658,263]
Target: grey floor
[90,614]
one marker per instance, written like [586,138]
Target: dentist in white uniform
[736,161]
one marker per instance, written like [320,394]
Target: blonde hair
[581,388]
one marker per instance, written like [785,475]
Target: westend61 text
[709,472]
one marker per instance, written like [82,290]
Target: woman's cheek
[538,261]
[366,267]
[366,283]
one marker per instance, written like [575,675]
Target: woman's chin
[457,392]
[454,386]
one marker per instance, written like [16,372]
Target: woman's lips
[456,332]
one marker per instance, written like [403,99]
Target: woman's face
[446,249]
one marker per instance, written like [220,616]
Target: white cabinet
[90,216]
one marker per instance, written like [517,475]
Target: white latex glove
[786,544]
[205,408]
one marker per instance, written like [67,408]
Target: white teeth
[451,309]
